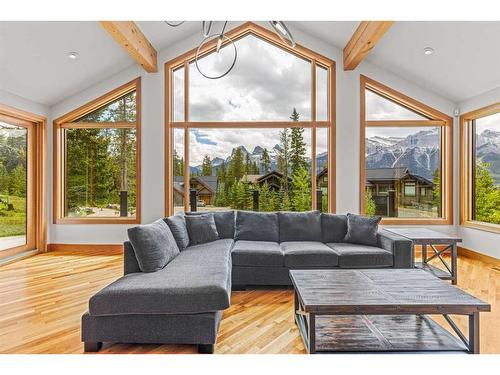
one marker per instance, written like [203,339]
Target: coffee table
[382,310]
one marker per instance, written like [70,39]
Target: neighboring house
[322,179]
[178,191]
[410,189]
[205,186]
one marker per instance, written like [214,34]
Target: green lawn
[12,223]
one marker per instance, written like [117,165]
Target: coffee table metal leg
[424,253]
[312,334]
[474,333]
[454,254]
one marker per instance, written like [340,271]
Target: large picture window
[97,160]
[260,138]
[480,169]
[406,158]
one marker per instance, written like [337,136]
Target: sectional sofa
[183,302]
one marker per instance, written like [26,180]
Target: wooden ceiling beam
[363,40]
[128,35]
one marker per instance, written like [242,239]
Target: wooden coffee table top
[380,291]
[417,234]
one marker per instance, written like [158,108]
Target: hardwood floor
[43,297]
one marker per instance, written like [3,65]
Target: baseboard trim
[471,254]
[93,248]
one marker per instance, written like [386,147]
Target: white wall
[153,122]
[475,239]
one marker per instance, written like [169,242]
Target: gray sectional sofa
[183,302]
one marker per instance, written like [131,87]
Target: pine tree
[285,203]
[284,156]
[266,162]
[298,159]
[369,203]
[301,199]
[486,195]
[436,193]
[248,164]
[206,166]
[295,115]
[237,167]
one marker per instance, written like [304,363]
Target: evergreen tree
[295,115]
[369,203]
[285,203]
[298,159]
[436,193]
[266,161]
[206,166]
[178,165]
[248,164]
[487,196]
[237,167]
[284,156]
[301,199]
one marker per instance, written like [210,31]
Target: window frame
[467,168]
[436,118]
[36,224]
[67,122]
[264,34]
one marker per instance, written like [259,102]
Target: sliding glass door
[17,224]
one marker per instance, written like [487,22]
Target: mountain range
[419,152]
[256,156]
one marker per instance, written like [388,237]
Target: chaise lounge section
[183,302]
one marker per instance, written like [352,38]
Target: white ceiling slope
[34,62]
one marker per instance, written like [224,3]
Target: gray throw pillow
[224,221]
[362,230]
[177,225]
[201,228]
[333,227]
[299,226]
[256,226]
[154,245]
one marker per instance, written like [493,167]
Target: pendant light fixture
[223,41]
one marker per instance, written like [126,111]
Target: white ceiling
[34,62]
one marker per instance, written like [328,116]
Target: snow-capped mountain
[419,152]
[488,151]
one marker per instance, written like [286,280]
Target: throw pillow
[257,226]
[224,221]
[201,228]
[177,225]
[362,230]
[154,245]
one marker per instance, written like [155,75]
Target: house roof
[210,182]
[322,173]
[252,178]
[270,174]
[384,174]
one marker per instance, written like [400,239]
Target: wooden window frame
[66,122]
[36,227]
[436,118]
[467,170]
[250,28]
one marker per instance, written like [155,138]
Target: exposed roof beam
[362,41]
[128,35]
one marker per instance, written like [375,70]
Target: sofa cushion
[198,280]
[256,226]
[300,226]
[177,225]
[305,254]
[224,221]
[201,229]
[333,227]
[361,256]
[362,230]
[257,253]
[154,245]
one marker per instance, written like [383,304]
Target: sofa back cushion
[333,227]
[299,226]
[224,221]
[257,226]
[362,230]
[201,229]
[154,245]
[177,225]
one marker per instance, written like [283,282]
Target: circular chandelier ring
[209,37]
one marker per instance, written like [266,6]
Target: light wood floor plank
[43,297]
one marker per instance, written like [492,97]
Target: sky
[265,84]
[488,123]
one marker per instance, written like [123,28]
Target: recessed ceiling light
[428,51]
[72,55]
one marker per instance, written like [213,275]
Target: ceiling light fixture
[428,51]
[72,55]
[206,28]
